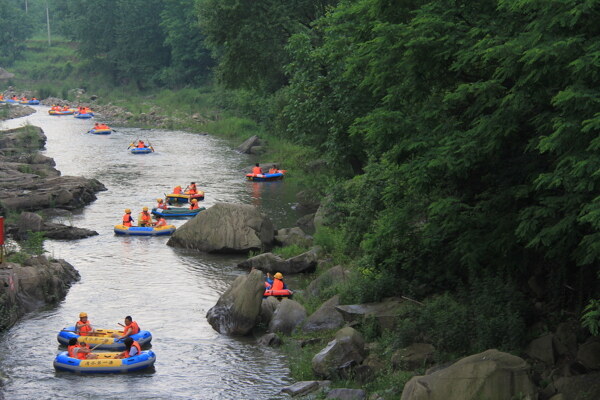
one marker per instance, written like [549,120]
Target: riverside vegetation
[457,144]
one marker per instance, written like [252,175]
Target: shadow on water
[167,291]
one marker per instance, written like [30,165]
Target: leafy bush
[289,251]
[591,317]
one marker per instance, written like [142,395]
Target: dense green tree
[16,28]
[248,37]
[191,61]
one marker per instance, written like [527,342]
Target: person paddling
[130,328]
[84,327]
[127,218]
[132,348]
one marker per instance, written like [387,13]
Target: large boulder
[293,236]
[347,348]
[225,228]
[269,262]
[31,222]
[491,375]
[414,356]
[267,309]
[328,278]
[589,354]
[238,308]
[246,147]
[33,284]
[386,312]
[287,317]
[325,318]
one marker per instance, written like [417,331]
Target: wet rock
[267,309]
[269,339]
[24,288]
[304,387]
[225,228]
[238,308]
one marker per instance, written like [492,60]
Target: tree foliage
[16,28]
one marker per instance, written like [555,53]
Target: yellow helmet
[194,200]
[159,200]
[278,276]
[82,314]
[145,209]
[127,211]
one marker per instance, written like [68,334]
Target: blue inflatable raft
[103,338]
[141,150]
[144,231]
[265,177]
[106,363]
[100,131]
[84,115]
[177,212]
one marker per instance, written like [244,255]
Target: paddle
[150,145]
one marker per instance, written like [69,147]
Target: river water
[167,291]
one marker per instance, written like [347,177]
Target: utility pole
[25,6]
[48,23]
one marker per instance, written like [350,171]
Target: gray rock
[589,354]
[225,228]
[385,312]
[325,318]
[308,201]
[346,394]
[292,236]
[287,317]
[417,355]
[301,388]
[266,262]
[328,278]
[306,223]
[267,309]
[542,349]
[346,349]
[248,144]
[269,339]
[237,309]
[490,375]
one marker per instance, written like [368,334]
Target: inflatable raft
[278,293]
[62,112]
[144,231]
[177,212]
[100,131]
[106,363]
[84,115]
[141,150]
[184,198]
[103,338]
[265,177]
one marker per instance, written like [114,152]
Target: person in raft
[84,327]
[132,348]
[177,190]
[100,127]
[194,204]
[145,218]
[162,204]
[127,218]
[130,328]
[80,351]
[256,170]
[278,283]
[268,281]
[160,222]
[192,189]
[141,144]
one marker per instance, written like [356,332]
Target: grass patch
[289,251]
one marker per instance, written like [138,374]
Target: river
[167,291]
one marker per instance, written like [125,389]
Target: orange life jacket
[84,329]
[137,346]
[194,206]
[81,355]
[256,170]
[177,190]
[70,349]
[145,217]
[141,145]
[133,327]
[162,206]
[127,220]
[277,284]
[161,222]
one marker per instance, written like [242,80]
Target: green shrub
[289,251]
[591,317]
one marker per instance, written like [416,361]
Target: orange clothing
[194,206]
[145,218]
[137,346]
[131,329]
[161,222]
[70,350]
[127,220]
[141,145]
[101,126]
[81,355]
[162,205]
[277,284]
[177,190]
[84,329]
[256,170]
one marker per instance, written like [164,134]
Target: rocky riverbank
[29,183]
